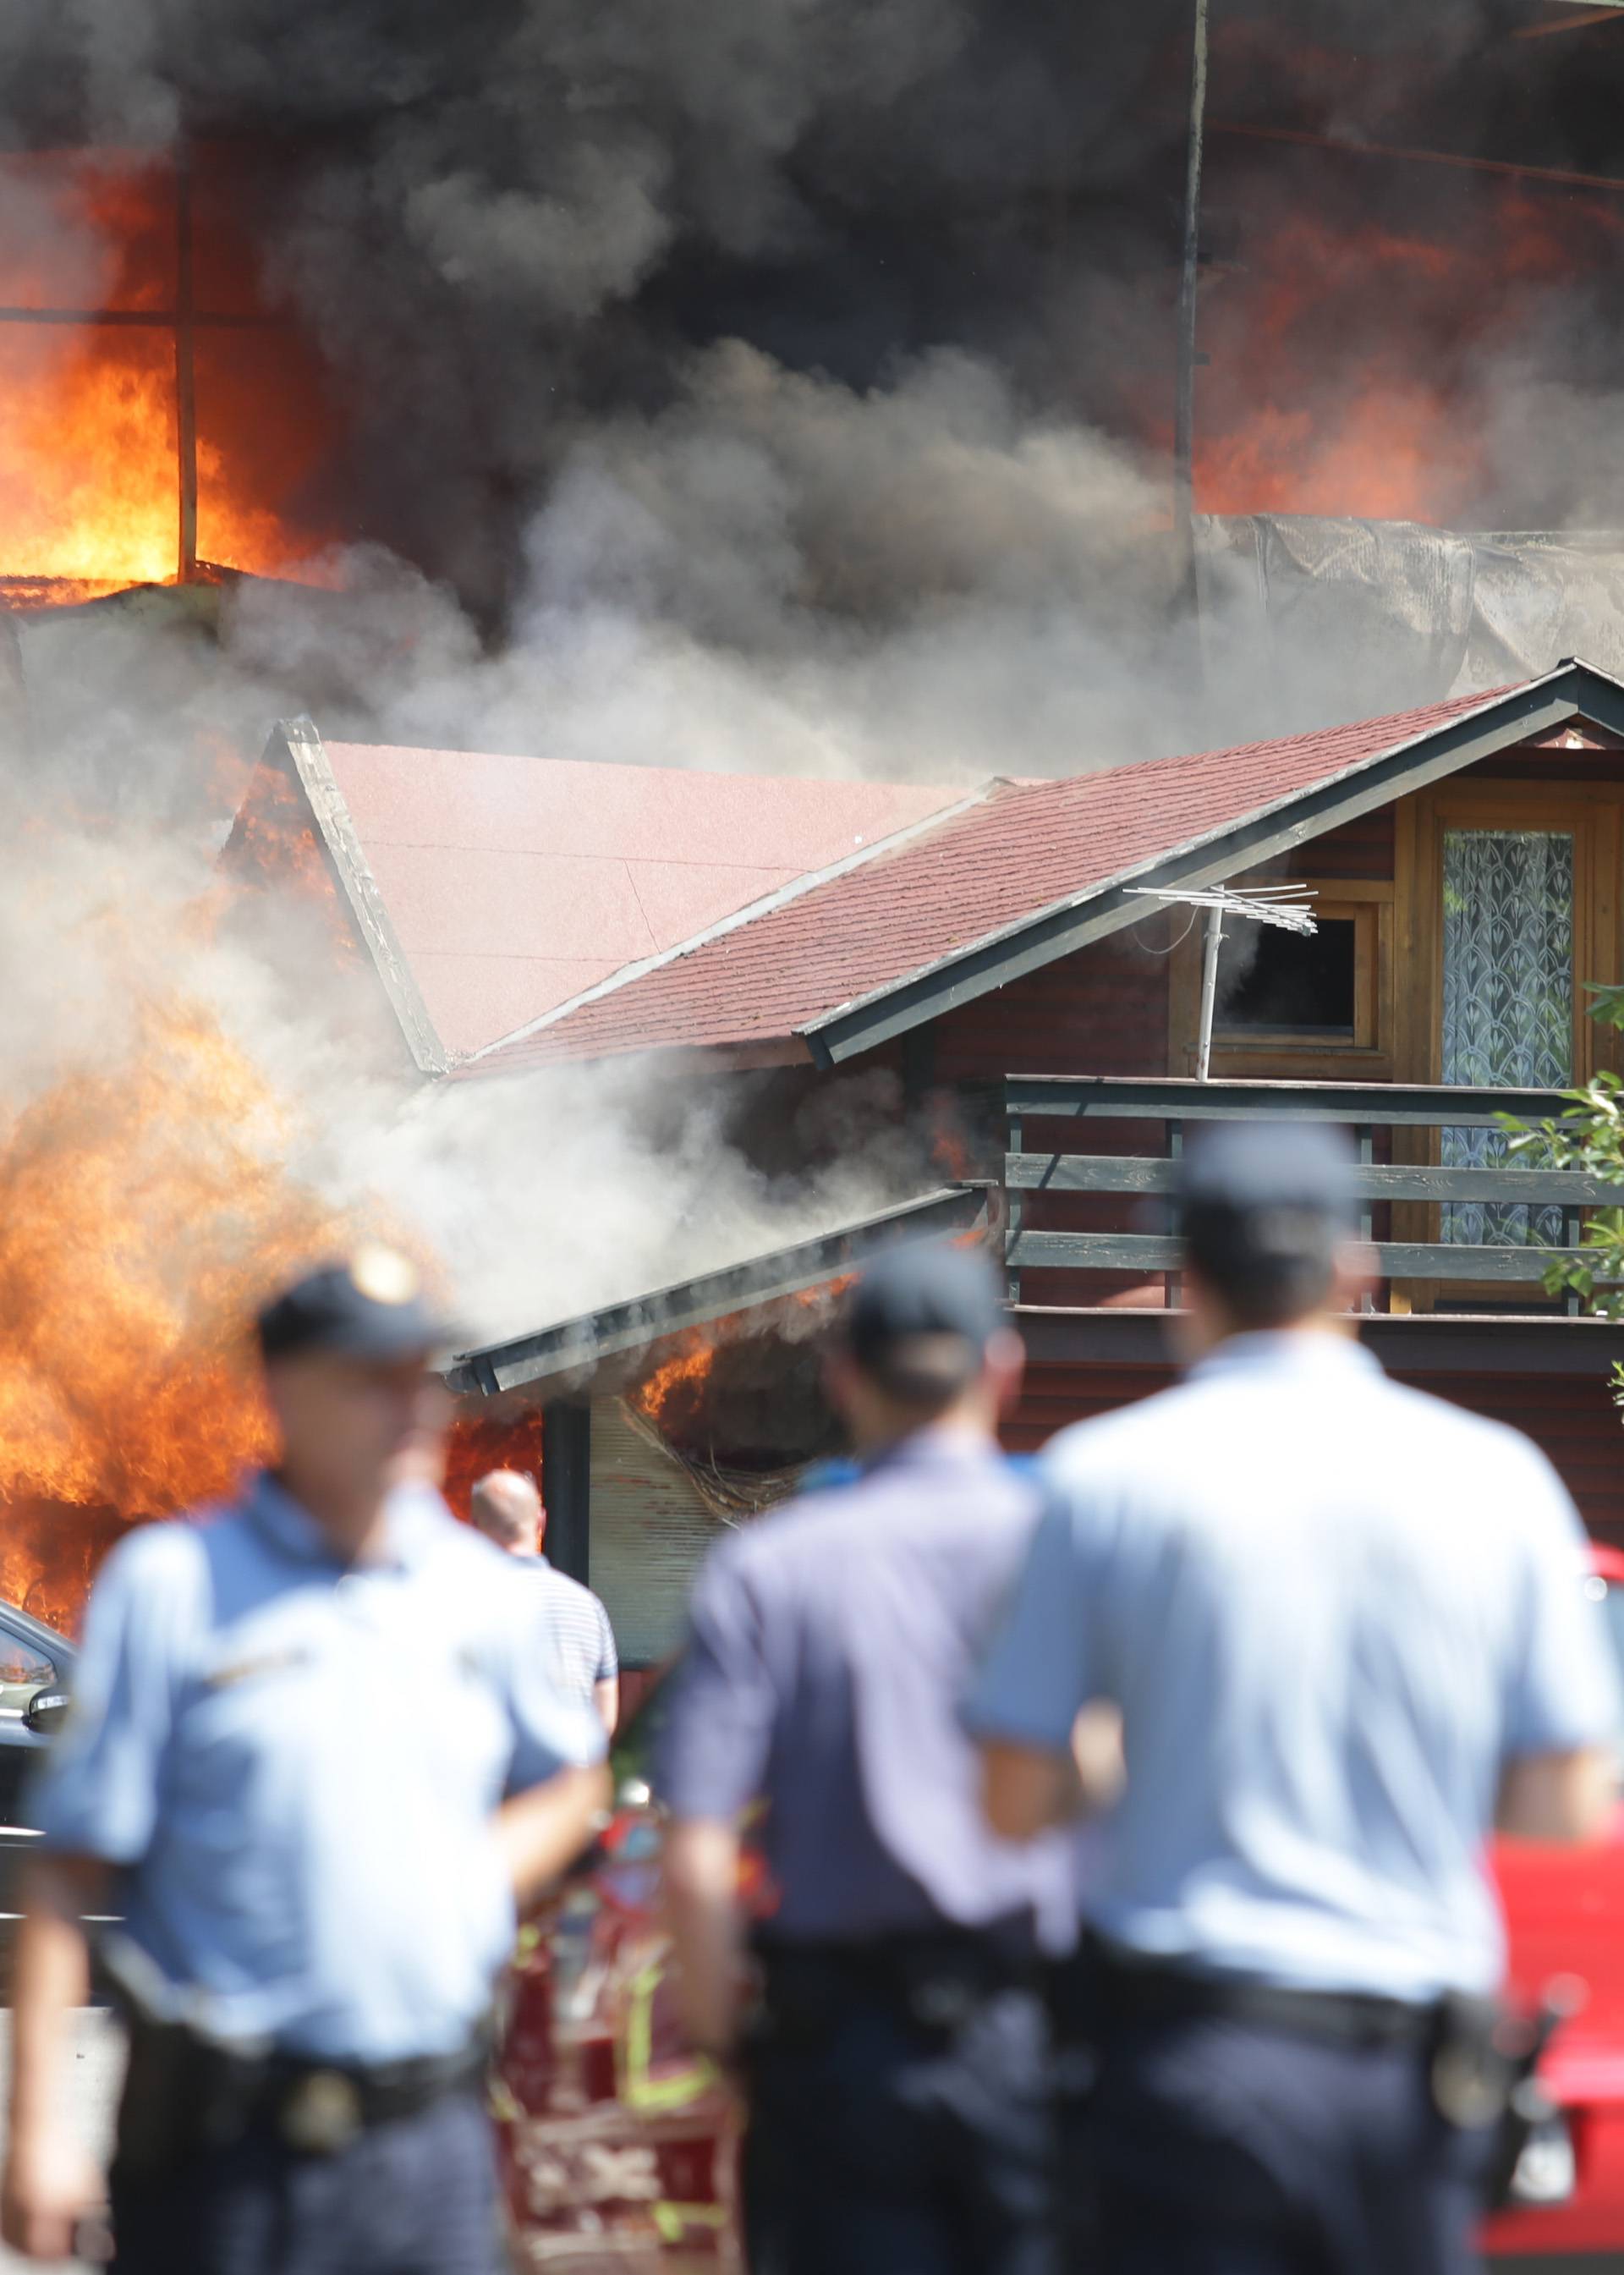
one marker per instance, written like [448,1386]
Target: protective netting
[1421,613]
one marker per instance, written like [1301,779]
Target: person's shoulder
[161,1563]
[563,1587]
[835,1494]
[777,1542]
[1462,1432]
[1124,1437]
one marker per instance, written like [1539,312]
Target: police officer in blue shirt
[311,1762]
[898,2072]
[1346,1629]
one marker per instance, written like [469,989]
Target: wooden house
[997,951]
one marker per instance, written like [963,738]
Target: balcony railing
[1365,1108]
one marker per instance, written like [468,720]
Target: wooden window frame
[1594,812]
[1367,1056]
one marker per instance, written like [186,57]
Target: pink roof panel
[513,883]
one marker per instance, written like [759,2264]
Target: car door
[31,1660]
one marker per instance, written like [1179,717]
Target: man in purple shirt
[898,2071]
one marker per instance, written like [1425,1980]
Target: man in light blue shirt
[1346,1629]
[315,1760]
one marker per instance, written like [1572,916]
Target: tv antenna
[1285,906]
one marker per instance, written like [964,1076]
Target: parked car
[1565,1914]
[36,1668]
[619,2146]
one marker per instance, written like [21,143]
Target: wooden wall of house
[1572,1418]
[1103,1010]
[1111,1008]
[1366,848]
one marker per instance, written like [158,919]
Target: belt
[319,2107]
[1004,1952]
[1128,1989]
[936,1977]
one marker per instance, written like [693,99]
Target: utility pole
[185,366]
[1184,396]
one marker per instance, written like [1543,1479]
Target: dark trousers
[877,2147]
[415,2196]
[1221,2148]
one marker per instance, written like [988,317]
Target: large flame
[1348,360]
[88,458]
[89,470]
[145,1209]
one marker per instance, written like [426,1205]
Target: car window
[24,1669]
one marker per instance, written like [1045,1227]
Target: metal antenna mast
[1286,906]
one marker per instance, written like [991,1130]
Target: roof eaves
[572,1347]
[847,1029]
[779,897]
[330,809]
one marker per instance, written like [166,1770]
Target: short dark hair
[1263,1209]
[1265,1273]
[924,1372]
[918,1323]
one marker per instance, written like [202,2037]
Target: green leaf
[1607,1004]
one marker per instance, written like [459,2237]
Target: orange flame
[679,1383]
[88,419]
[481,1443]
[144,1213]
[672,1393]
[1344,357]
[274,847]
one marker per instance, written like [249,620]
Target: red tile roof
[1025,848]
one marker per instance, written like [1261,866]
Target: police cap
[920,1301]
[1266,1206]
[370,1306]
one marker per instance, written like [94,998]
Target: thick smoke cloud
[500,219]
[755,385]
[785,351]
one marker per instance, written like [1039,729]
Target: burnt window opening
[1273,982]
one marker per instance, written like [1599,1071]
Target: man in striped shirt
[507,1508]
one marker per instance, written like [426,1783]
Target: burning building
[793,410]
[994,960]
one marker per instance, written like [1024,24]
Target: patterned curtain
[1508,996]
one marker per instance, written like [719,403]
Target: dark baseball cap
[1257,1167]
[1263,1197]
[914,1294]
[372,1305]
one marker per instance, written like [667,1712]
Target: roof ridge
[765,905]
